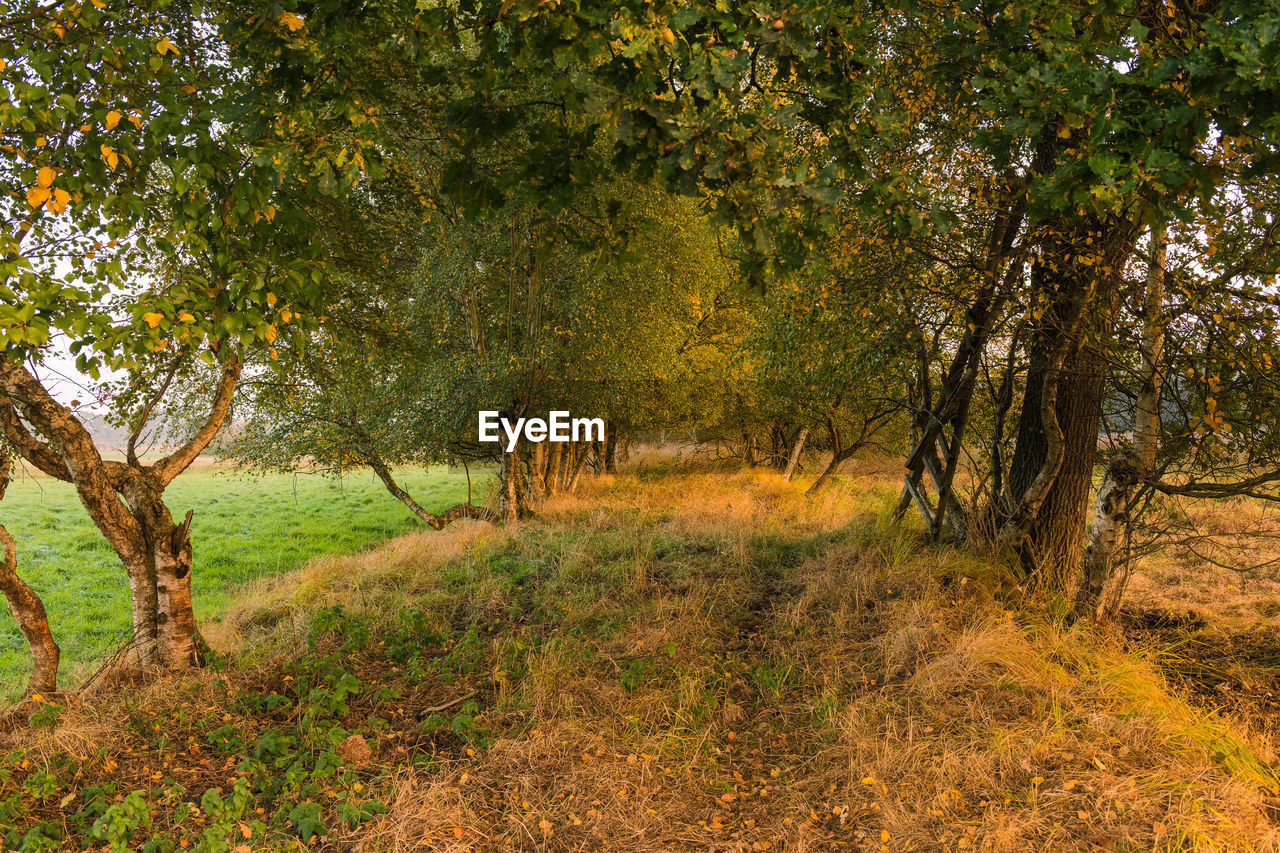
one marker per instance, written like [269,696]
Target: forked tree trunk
[1104,570]
[27,608]
[837,459]
[156,553]
[795,454]
[1051,471]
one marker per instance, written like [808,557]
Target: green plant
[121,821]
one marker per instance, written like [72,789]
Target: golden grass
[864,692]
[710,660]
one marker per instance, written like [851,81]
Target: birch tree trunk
[155,551]
[795,454]
[1104,570]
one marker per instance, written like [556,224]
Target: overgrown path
[671,660]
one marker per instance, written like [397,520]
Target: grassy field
[245,527]
[670,660]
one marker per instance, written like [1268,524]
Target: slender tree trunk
[438,522]
[611,448]
[580,458]
[541,467]
[1105,571]
[796,449]
[508,498]
[27,608]
[554,466]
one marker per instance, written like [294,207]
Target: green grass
[245,526]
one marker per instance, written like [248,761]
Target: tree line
[1022,245]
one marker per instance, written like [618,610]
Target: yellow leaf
[45,176]
[165,46]
[36,196]
[269,211]
[884,835]
[136,120]
[286,316]
[292,21]
[113,118]
[271,298]
[272,334]
[109,154]
[153,319]
[186,317]
[59,201]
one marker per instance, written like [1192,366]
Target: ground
[672,659]
[244,527]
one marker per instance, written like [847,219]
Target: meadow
[246,526]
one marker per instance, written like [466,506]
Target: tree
[147,229]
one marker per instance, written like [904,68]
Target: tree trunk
[554,466]
[508,497]
[1051,472]
[156,553]
[580,458]
[159,568]
[541,466]
[1052,468]
[27,608]
[611,449]
[795,454]
[1105,571]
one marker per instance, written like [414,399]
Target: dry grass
[709,660]
[818,681]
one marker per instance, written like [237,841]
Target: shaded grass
[245,527]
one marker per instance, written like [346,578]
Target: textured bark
[155,551]
[27,608]
[1110,519]
[1052,468]
[796,449]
